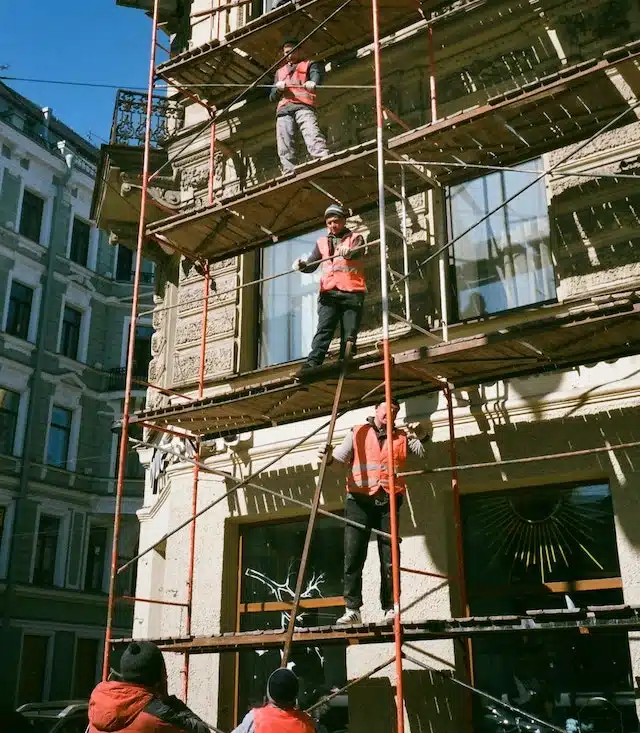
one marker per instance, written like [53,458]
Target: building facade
[66,295]
[483,101]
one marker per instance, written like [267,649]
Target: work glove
[310,85]
[343,250]
[417,430]
[280,85]
[325,449]
[298,264]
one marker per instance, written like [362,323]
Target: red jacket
[122,707]
[340,273]
[370,471]
[272,719]
[295,93]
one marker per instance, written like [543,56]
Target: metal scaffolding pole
[384,293]
[124,435]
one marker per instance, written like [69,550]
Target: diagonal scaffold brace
[314,507]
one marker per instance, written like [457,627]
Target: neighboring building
[65,309]
[539,304]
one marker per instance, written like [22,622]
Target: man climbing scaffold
[364,448]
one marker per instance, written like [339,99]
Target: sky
[78,41]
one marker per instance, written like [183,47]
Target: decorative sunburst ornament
[541,528]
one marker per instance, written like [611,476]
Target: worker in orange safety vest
[281,713]
[294,88]
[342,286]
[364,448]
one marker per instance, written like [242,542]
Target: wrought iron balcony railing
[167,117]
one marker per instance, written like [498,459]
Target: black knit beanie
[142,663]
[282,688]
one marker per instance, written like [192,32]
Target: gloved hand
[298,264]
[325,449]
[343,250]
[309,85]
[417,430]
[280,86]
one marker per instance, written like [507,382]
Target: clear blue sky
[75,40]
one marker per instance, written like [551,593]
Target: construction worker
[137,701]
[281,713]
[342,286]
[365,450]
[294,88]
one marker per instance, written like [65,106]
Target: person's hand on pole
[280,86]
[299,264]
[310,86]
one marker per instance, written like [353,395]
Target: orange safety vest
[272,719]
[340,273]
[297,93]
[370,471]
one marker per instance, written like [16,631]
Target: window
[80,236]
[289,304]
[96,556]
[31,216]
[59,437]
[124,264]
[70,334]
[3,519]
[44,568]
[142,351]
[19,314]
[548,547]
[9,405]
[505,262]
[269,571]
[85,670]
[33,668]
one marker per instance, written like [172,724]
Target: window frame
[29,321]
[66,331]
[69,432]
[56,557]
[16,426]
[87,253]
[29,192]
[446,211]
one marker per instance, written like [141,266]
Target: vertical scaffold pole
[384,291]
[206,287]
[124,435]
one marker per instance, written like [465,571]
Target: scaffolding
[533,119]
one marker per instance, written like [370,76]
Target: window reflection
[505,262]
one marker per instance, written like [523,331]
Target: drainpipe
[35,382]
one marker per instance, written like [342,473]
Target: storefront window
[270,560]
[547,548]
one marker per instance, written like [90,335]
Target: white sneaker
[350,616]
[389,616]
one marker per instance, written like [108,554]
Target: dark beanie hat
[335,210]
[282,688]
[142,663]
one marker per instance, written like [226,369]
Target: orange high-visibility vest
[340,273]
[272,719]
[370,471]
[296,94]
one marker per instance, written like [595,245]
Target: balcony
[118,375]
[117,195]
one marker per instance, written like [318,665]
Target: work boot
[389,616]
[308,370]
[350,616]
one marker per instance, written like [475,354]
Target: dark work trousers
[374,512]
[336,307]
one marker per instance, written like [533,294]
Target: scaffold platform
[592,619]
[555,111]
[598,329]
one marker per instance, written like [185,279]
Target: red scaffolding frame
[198,466]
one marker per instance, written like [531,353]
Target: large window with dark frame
[70,332]
[44,567]
[80,238]
[59,437]
[19,312]
[9,406]
[268,570]
[31,216]
[547,547]
[504,262]
[288,304]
